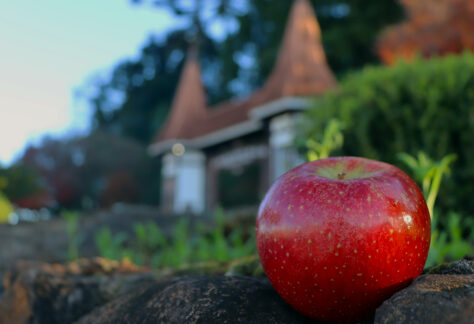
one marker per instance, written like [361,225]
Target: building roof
[301,70]
[301,67]
[189,103]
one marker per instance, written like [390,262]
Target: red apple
[338,236]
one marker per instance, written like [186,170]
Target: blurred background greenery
[404,100]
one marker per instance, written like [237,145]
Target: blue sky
[49,48]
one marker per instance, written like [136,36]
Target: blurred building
[229,154]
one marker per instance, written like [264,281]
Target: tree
[433,28]
[95,170]
[349,29]
[19,181]
[135,100]
[238,42]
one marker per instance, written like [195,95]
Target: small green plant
[150,246]
[111,246]
[429,173]
[148,239]
[447,243]
[332,139]
[74,237]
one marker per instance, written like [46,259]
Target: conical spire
[301,67]
[189,103]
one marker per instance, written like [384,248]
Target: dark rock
[54,293]
[103,291]
[463,266]
[444,295]
[199,299]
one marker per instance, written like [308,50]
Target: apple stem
[341,175]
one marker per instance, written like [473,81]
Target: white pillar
[184,175]
[284,156]
[168,181]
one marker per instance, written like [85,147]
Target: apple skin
[338,236]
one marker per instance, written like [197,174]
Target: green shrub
[421,106]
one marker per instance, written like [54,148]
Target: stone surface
[444,295]
[103,291]
[463,266]
[199,299]
[53,293]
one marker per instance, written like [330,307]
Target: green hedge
[424,105]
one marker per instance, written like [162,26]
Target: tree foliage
[433,28]
[19,181]
[423,106]
[134,100]
[238,43]
[95,170]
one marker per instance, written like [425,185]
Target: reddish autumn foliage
[37,200]
[120,186]
[432,28]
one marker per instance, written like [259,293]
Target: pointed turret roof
[301,70]
[301,67]
[189,103]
